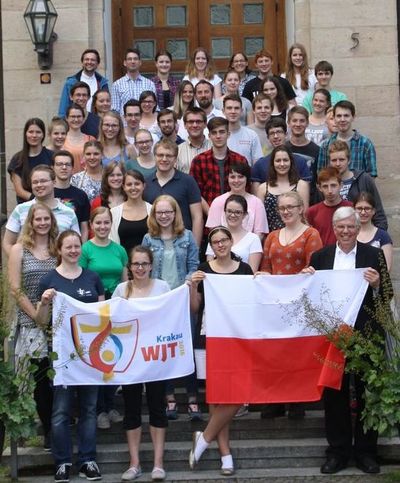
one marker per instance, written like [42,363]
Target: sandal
[194,411]
[172,410]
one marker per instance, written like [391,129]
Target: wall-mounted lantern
[40,17]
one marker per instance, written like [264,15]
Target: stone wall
[79,26]
[368,74]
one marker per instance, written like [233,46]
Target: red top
[320,217]
[292,258]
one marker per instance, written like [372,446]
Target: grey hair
[345,212]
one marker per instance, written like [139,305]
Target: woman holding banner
[224,263]
[176,257]
[85,286]
[141,285]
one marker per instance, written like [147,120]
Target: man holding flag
[349,254]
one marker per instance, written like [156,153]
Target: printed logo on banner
[98,341]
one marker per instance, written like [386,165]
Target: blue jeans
[60,424]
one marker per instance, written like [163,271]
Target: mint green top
[336,96]
[108,262]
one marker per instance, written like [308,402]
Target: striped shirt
[65,217]
[125,89]
[186,152]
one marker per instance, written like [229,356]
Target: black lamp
[40,17]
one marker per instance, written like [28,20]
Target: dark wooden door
[223,27]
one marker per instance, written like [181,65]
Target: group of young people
[148,184]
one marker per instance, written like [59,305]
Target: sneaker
[172,410]
[132,473]
[62,473]
[114,416]
[194,412]
[90,471]
[158,474]
[242,411]
[103,421]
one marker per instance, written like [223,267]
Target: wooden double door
[223,27]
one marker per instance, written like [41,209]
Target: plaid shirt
[125,88]
[362,154]
[205,171]
[173,84]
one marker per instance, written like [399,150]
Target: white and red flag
[258,348]
[122,341]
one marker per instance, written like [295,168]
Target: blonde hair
[27,236]
[121,139]
[178,226]
[297,199]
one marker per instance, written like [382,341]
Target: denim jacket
[186,251]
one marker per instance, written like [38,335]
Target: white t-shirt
[159,287]
[195,80]
[249,244]
[245,142]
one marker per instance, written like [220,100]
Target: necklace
[293,236]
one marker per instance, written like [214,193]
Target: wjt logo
[105,351]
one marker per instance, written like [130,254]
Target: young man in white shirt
[242,140]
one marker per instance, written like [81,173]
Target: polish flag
[259,349]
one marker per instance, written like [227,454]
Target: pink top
[255,221]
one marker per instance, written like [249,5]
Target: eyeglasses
[276,132]
[288,208]
[140,264]
[367,209]
[145,141]
[195,121]
[221,241]
[58,164]
[165,156]
[165,213]
[111,126]
[234,212]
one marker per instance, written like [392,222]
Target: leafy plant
[17,405]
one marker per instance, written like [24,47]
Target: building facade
[359,38]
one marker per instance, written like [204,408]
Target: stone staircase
[278,450]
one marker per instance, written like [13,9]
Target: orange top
[290,259]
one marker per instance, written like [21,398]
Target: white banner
[122,341]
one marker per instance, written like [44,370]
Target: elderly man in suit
[348,253]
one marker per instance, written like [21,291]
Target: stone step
[247,454]
[249,426]
[267,475]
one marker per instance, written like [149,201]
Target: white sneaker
[131,473]
[103,421]
[114,416]
[158,474]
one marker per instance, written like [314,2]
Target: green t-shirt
[108,262]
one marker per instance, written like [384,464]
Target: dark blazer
[366,256]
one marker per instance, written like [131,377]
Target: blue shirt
[182,187]
[260,170]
